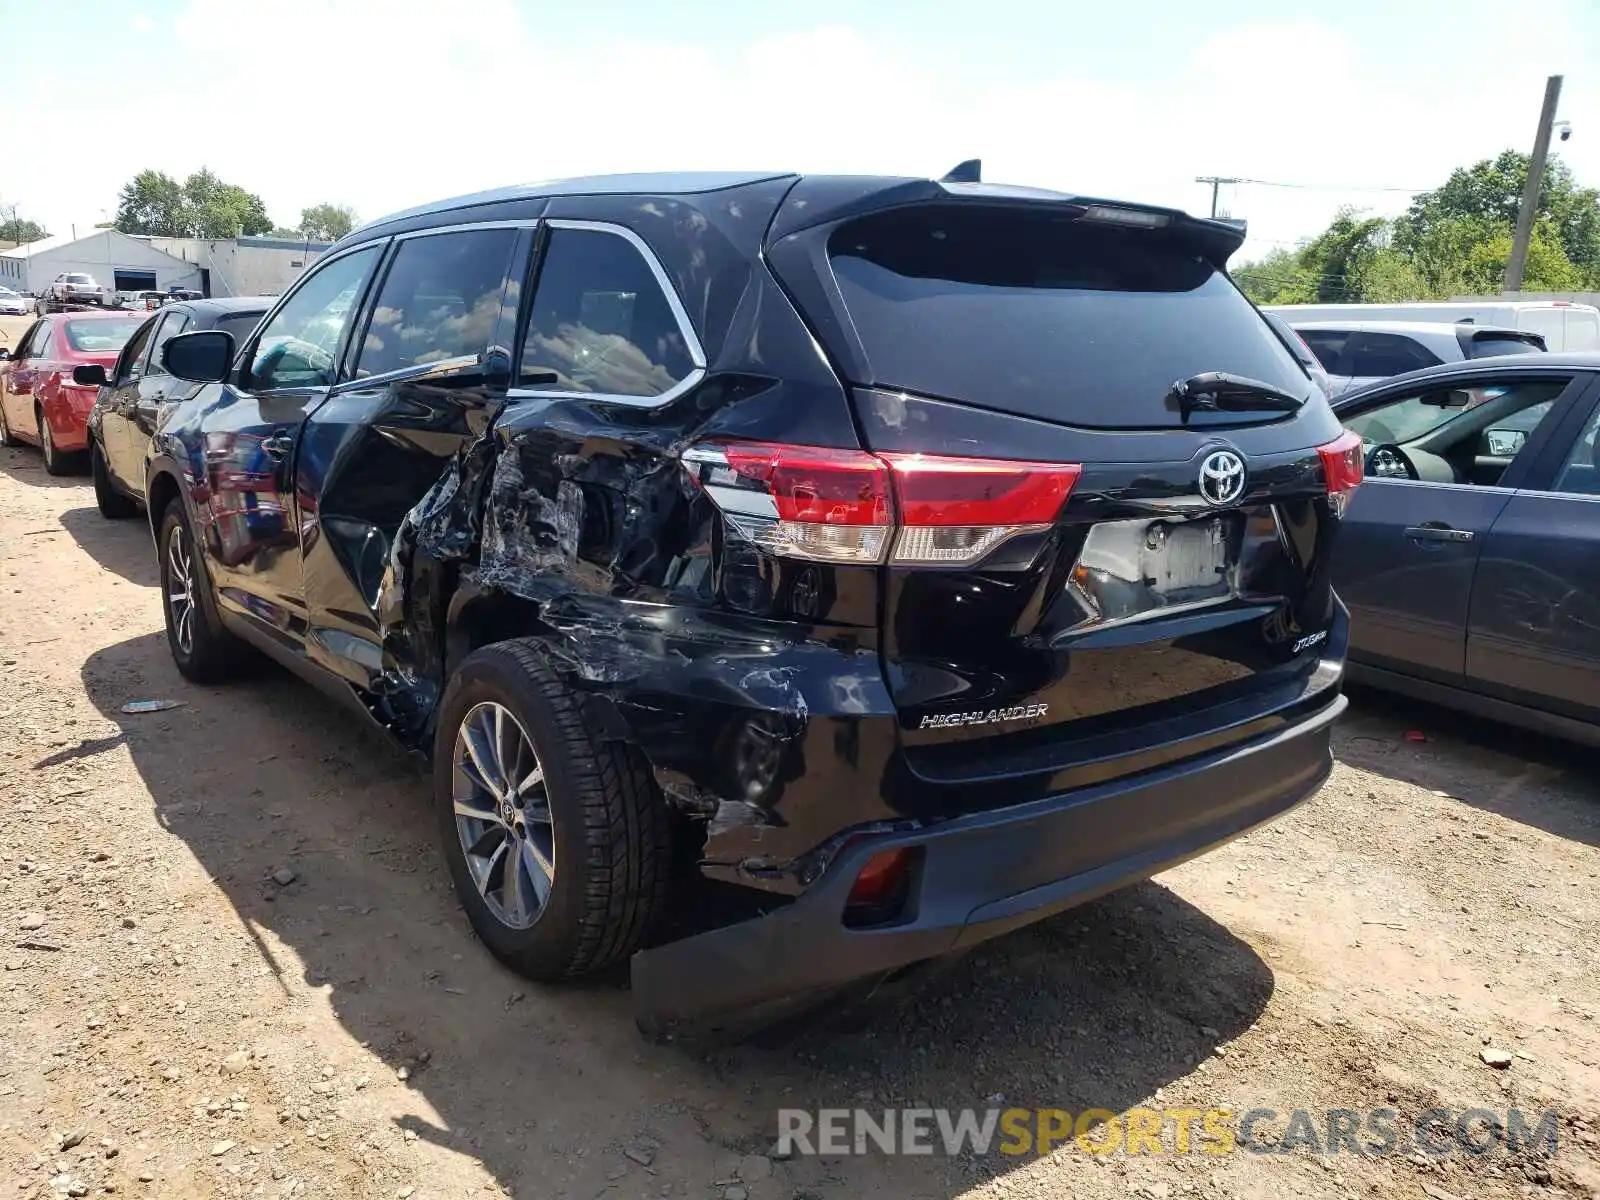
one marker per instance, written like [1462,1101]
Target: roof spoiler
[970,171]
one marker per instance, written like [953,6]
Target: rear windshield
[1038,314]
[79,279]
[102,335]
[1489,347]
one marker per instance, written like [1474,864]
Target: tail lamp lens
[1343,467]
[849,506]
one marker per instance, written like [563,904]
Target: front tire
[203,651]
[7,438]
[113,505]
[557,842]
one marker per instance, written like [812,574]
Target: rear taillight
[1343,466]
[849,506]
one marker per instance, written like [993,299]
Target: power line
[1321,187]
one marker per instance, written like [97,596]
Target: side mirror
[4,354]
[205,356]
[93,375]
[1506,443]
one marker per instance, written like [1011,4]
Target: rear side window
[1492,345]
[1040,314]
[439,300]
[601,322]
[1384,354]
[1583,330]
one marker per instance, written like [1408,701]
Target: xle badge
[993,716]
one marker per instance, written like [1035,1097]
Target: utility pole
[1530,190]
[1216,182]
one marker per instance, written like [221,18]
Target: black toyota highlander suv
[912,558]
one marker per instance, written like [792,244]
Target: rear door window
[1044,315]
[601,322]
[1385,354]
[439,301]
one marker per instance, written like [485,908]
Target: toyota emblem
[1221,477]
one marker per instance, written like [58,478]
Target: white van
[1565,324]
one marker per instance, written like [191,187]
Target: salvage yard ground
[233,965]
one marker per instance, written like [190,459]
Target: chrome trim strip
[466,227]
[415,371]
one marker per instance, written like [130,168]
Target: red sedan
[39,402]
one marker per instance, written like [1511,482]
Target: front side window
[440,300]
[1519,408]
[600,322]
[300,345]
[1327,345]
[43,342]
[31,341]
[1581,474]
[172,324]
[130,365]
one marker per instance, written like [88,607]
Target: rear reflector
[843,505]
[1343,466]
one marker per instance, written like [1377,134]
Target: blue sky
[383,105]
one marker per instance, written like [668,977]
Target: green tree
[201,206]
[326,222]
[1276,279]
[153,203]
[21,230]
[1490,193]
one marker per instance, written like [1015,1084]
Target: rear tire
[113,505]
[203,651]
[56,461]
[583,808]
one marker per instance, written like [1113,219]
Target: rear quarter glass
[1046,316]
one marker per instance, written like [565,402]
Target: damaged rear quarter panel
[752,684]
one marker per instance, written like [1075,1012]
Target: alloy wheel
[180,589]
[502,812]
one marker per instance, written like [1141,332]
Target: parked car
[1358,353]
[1470,560]
[40,403]
[74,287]
[132,395]
[13,303]
[1302,352]
[1564,324]
[969,617]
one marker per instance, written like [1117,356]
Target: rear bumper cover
[985,875]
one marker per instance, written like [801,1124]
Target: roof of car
[1440,328]
[1500,364]
[650,183]
[223,304]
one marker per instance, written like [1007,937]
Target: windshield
[1044,315]
[104,335]
[241,325]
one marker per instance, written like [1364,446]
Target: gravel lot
[233,967]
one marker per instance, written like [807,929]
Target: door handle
[1438,533]
[278,445]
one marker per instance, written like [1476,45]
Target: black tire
[7,438]
[113,505]
[204,651]
[609,828]
[56,461]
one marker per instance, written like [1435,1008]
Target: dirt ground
[174,1022]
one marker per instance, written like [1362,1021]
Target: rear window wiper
[1218,391]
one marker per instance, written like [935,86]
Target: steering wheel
[1388,461]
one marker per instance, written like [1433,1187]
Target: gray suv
[1356,353]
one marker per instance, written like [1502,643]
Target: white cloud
[142,23]
[326,101]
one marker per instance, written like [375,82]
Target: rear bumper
[985,875]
